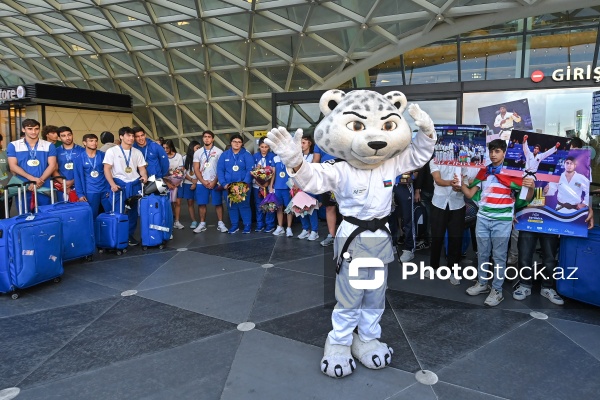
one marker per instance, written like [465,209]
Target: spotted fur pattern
[363,127]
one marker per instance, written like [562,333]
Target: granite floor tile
[416,391]
[258,251]
[532,362]
[228,297]
[445,391]
[24,304]
[189,265]
[316,265]
[585,335]
[196,370]
[271,367]
[132,328]
[122,273]
[274,299]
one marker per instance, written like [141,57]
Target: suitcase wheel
[124,250]
[14,295]
[119,252]
[162,246]
[57,280]
[100,251]
[144,248]
[89,258]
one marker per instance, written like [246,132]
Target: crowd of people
[206,173]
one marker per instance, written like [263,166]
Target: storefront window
[491,58]
[549,52]
[431,64]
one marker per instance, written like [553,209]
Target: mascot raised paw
[373,144]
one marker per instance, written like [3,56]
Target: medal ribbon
[95,161]
[127,160]
[206,157]
[32,152]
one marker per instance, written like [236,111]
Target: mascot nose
[377,145]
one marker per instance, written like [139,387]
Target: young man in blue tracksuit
[154,154]
[235,165]
[264,158]
[91,185]
[66,154]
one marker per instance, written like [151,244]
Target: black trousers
[454,222]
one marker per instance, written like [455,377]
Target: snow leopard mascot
[373,145]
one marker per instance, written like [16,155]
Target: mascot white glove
[422,120]
[288,148]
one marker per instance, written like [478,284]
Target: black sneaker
[133,242]
[421,245]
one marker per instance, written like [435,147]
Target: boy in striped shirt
[495,196]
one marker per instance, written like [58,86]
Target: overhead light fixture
[439,17]
[384,81]
[182,23]
[132,19]
[77,48]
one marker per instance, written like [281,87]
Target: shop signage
[569,74]
[12,94]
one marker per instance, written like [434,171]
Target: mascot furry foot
[337,360]
[373,354]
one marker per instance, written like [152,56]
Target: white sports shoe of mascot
[373,145]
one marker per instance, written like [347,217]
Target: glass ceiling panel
[213,4]
[219,121]
[233,108]
[237,49]
[185,93]
[276,74]
[158,95]
[93,11]
[312,48]
[234,77]
[199,109]
[219,89]
[256,85]
[287,44]
[296,14]
[323,69]
[215,32]
[107,84]
[195,52]
[163,11]
[369,41]
[186,3]
[217,59]
[325,16]
[359,7]
[341,38]
[189,125]
[147,66]
[240,21]
[300,81]
[262,24]
[196,79]
[392,7]
[254,118]
[260,54]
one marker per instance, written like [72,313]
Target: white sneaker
[494,298]
[279,231]
[478,288]
[521,292]
[551,295]
[314,235]
[303,235]
[454,280]
[200,228]
[222,228]
[289,233]
[406,256]
[178,225]
[328,241]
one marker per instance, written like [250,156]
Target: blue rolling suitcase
[156,220]
[582,283]
[112,229]
[30,247]
[78,225]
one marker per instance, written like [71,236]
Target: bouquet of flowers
[302,204]
[175,177]
[262,175]
[237,192]
[270,203]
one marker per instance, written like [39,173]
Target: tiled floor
[177,338]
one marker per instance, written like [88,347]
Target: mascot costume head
[372,142]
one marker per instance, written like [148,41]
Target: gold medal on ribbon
[206,165]
[235,168]
[33,163]
[129,170]
[69,165]
[282,174]
[94,174]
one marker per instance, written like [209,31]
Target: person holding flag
[493,192]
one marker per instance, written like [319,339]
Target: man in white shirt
[205,169]
[505,121]
[125,168]
[571,186]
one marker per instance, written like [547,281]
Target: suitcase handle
[34,196]
[18,186]
[56,178]
[120,201]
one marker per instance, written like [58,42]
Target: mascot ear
[398,99]
[330,100]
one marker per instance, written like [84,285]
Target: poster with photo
[502,118]
[461,145]
[535,154]
[560,207]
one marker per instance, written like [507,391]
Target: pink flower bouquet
[302,204]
